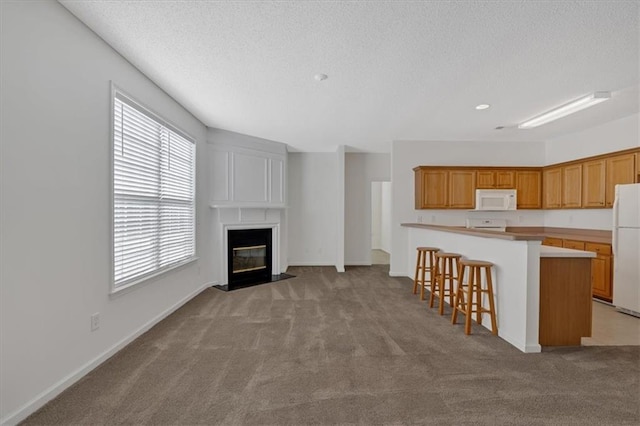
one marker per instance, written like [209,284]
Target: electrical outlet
[419,219]
[520,219]
[95,321]
[433,219]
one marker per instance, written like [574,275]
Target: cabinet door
[552,186]
[553,242]
[462,184]
[572,186]
[529,187]
[593,177]
[505,179]
[601,272]
[572,244]
[485,179]
[431,189]
[620,170]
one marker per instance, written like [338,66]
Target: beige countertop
[478,233]
[526,233]
[548,251]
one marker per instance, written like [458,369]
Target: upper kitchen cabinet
[552,186]
[572,186]
[528,183]
[620,169]
[462,184]
[593,183]
[495,179]
[431,188]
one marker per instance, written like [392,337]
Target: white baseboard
[399,274]
[305,263]
[55,390]
[358,263]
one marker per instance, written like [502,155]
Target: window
[153,194]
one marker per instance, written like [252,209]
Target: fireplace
[249,253]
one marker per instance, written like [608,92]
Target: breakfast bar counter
[542,294]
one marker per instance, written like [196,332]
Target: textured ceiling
[397,70]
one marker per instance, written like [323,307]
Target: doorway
[380,222]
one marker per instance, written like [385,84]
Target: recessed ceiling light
[320,77]
[483,106]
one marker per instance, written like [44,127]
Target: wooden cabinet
[601,271]
[431,188]
[572,244]
[552,186]
[572,186]
[601,265]
[620,169]
[553,242]
[593,183]
[462,184]
[529,187]
[495,179]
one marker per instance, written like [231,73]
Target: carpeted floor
[352,348]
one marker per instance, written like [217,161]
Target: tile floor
[612,328]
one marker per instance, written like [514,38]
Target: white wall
[360,170]
[376,215]
[54,181]
[385,220]
[609,137]
[405,155]
[313,208]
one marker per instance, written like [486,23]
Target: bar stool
[422,267]
[446,268]
[464,301]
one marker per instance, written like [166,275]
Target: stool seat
[471,262]
[427,248]
[469,295]
[422,267]
[448,255]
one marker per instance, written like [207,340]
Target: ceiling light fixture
[566,109]
[482,106]
[320,77]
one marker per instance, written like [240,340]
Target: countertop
[513,236]
[525,233]
[548,251]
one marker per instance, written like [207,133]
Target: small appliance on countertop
[498,225]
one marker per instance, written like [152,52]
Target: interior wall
[313,208]
[55,180]
[385,220]
[360,170]
[376,215]
[613,136]
[405,155]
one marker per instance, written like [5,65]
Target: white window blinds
[153,194]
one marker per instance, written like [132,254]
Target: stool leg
[470,291]
[492,308]
[452,279]
[434,283]
[423,268]
[442,287]
[479,294]
[415,277]
[459,294]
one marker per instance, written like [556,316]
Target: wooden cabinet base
[565,301]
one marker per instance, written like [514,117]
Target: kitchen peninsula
[542,294]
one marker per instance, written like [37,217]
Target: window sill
[140,282]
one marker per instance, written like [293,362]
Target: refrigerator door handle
[614,234]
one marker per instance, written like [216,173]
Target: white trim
[399,274]
[306,263]
[145,279]
[55,390]
[236,205]
[358,263]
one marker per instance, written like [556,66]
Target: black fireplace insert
[249,257]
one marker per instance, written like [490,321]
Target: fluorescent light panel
[564,110]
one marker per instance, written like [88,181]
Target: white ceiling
[397,70]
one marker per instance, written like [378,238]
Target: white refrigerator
[626,249]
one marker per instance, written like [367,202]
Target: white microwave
[496,199]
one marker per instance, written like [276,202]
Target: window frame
[135,282]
